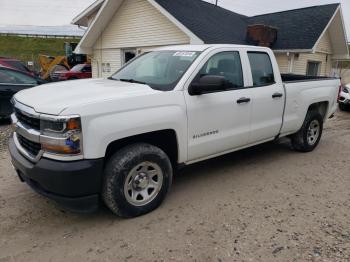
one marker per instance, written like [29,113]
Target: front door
[219,121]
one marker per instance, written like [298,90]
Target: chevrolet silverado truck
[119,139]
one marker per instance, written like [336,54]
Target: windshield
[77,68]
[18,65]
[161,70]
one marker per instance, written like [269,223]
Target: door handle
[277,95]
[243,100]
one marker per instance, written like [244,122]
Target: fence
[42,35]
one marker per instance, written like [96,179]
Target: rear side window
[87,69]
[261,67]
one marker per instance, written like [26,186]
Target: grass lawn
[28,48]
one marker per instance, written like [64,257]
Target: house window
[313,68]
[128,54]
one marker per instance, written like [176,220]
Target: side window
[261,67]
[86,69]
[12,77]
[226,64]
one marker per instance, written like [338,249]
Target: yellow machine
[50,65]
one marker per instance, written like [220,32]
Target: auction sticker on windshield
[187,54]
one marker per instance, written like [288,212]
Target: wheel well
[164,139]
[321,107]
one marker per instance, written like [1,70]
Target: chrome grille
[30,146]
[55,76]
[28,121]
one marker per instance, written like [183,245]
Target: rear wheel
[137,179]
[309,135]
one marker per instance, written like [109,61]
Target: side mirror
[207,84]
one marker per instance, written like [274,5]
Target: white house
[306,41]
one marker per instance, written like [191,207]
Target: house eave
[97,26]
[292,50]
[193,38]
[341,57]
[82,18]
[106,12]
[339,9]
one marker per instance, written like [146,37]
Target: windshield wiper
[132,81]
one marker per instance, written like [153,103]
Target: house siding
[101,58]
[325,45]
[300,64]
[283,62]
[323,55]
[136,24]
[345,74]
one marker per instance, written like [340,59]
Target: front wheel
[137,179]
[308,137]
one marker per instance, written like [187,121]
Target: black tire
[343,107]
[300,141]
[118,169]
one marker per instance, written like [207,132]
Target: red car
[16,65]
[77,72]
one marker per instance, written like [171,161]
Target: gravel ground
[267,203]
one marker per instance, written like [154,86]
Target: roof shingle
[297,29]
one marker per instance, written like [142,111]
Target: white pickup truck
[119,139]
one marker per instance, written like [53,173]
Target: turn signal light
[60,149]
[73,124]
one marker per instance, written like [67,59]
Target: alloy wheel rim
[143,183]
[313,132]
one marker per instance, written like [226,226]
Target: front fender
[102,129]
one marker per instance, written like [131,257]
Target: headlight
[61,136]
[346,89]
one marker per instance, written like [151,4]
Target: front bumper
[74,185]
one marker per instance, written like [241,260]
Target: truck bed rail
[303,78]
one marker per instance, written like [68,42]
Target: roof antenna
[216,2]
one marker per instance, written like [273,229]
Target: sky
[61,12]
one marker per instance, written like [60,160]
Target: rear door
[219,121]
[267,96]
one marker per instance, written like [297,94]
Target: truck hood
[54,98]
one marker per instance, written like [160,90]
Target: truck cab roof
[201,48]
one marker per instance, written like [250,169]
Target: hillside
[28,48]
